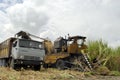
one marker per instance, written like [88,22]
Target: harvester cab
[72,45]
[76,45]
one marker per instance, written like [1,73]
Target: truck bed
[5,48]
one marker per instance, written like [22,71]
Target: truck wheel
[45,66]
[12,64]
[37,67]
[3,63]
[60,64]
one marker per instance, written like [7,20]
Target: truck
[21,51]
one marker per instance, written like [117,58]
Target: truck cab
[26,52]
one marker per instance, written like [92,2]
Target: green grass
[107,56]
[114,73]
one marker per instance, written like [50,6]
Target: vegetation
[106,56]
[53,74]
[43,74]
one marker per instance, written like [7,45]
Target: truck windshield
[30,44]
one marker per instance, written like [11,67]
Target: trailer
[5,51]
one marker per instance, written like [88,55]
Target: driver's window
[15,44]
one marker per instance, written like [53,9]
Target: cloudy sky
[95,19]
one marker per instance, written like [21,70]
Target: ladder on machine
[87,61]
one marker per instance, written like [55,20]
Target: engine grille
[31,58]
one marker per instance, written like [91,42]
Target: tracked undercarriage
[78,62]
[74,62]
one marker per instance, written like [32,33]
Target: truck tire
[37,67]
[3,62]
[45,66]
[60,64]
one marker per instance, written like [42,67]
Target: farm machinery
[21,51]
[65,53]
[70,53]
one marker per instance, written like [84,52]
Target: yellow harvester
[67,54]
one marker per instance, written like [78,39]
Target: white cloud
[93,18]
[25,17]
[52,18]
